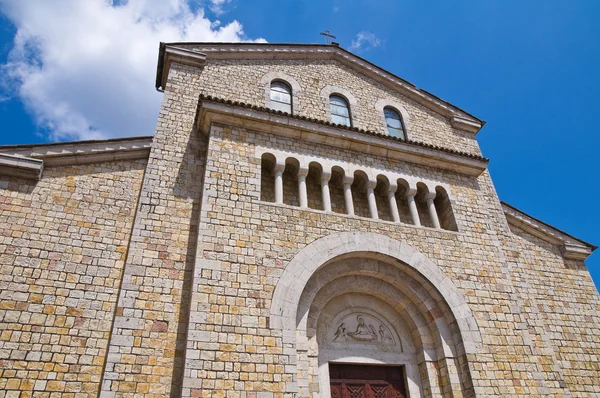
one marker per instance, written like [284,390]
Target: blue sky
[530,69]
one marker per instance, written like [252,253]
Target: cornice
[463,124]
[28,161]
[215,110]
[21,167]
[570,247]
[268,51]
[168,54]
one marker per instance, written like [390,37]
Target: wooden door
[366,381]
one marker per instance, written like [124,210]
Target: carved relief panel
[365,328]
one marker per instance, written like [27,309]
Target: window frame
[265,82]
[382,103]
[290,93]
[347,103]
[400,118]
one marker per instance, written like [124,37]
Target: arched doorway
[365,299]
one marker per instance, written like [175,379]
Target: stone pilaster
[147,339]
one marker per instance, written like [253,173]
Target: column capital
[392,188]
[279,167]
[302,171]
[430,195]
[411,191]
[326,176]
[348,179]
[371,184]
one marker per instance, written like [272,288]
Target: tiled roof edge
[326,123]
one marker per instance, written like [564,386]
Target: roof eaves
[340,126]
[82,152]
[21,167]
[160,65]
[591,246]
[109,140]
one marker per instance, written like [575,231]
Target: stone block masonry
[172,276]
[63,241]
[149,331]
[245,246]
[241,81]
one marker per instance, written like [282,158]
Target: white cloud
[216,6]
[86,69]
[365,41]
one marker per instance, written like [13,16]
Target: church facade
[302,223]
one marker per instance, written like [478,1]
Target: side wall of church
[63,242]
[240,80]
[561,306]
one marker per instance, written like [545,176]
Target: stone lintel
[82,152]
[317,133]
[21,167]
[570,247]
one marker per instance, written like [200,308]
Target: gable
[234,72]
[308,52]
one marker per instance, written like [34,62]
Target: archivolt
[287,295]
[437,316]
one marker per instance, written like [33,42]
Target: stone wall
[336,192]
[561,306]
[148,335]
[240,260]
[63,243]
[198,257]
[313,189]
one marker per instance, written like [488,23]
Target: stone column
[348,195]
[302,173]
[325,176]
[392,200]
[371,198]
[279,167]
[412,206]
[432,213]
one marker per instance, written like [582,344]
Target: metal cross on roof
[328,35]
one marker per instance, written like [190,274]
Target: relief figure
[340,333]
[385,335]
[363,331]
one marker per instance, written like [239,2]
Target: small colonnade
[346,188]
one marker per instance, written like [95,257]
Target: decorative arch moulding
[325,301]
[287,294]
